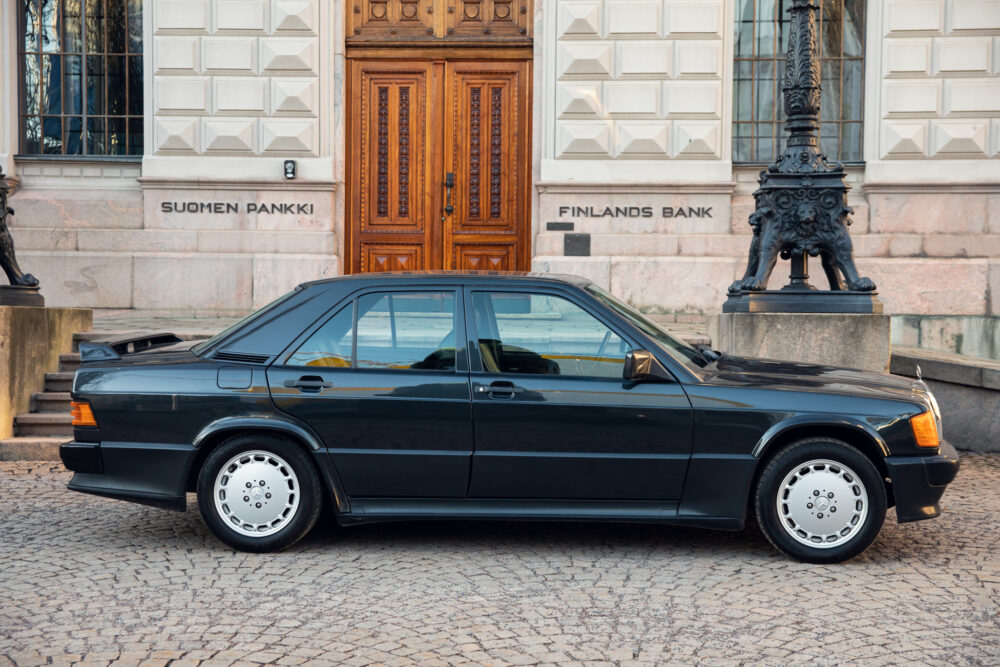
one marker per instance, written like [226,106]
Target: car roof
[455,277]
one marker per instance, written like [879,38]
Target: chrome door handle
[308,383]
[500,389]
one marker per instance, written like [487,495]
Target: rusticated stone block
[82,279]
[44,239]
[674,284]
[274,275]
[993,214]
[930,286]
[77,209]
[137,240]
[266,242]
[714,245]
[205,281]
[927,213]
[887,245]
[994,284]
[596,269]
[629,245]
[962,245]
[849,340]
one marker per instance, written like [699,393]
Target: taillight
[82,414]
[925,430]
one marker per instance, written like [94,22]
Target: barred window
[81,77]
[761,43]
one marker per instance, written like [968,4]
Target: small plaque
[576,245]
[559,226]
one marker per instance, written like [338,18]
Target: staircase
[38,434]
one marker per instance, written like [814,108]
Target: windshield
[676,348]
[204,346]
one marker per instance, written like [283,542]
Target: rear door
[383,384]
[554,419]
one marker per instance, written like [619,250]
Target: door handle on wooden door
[449,183]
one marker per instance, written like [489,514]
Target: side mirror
[639,366]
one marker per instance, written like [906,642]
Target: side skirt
[373,510]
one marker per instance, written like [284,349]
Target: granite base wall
[31,340]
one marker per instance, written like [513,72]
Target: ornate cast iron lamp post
[23,290]
[801,205]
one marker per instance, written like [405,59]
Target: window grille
[761,42]
[81,77]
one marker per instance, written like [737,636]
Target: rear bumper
[918,482]
[147,473]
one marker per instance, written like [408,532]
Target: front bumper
[918,482]
[146,473]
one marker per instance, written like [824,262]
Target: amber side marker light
[925,430]
[82,414]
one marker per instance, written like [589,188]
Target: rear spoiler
[113,348]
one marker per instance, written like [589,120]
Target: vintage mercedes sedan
[496,396]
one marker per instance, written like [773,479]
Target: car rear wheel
[259,493]
[820,500]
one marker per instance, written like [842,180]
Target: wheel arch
[223,429]
[854,432]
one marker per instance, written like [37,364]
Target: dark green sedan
[390,397]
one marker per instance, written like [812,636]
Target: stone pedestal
[843,339]
[31,340]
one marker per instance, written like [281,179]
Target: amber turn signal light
[82,414]
[925,430]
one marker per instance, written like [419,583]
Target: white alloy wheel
[256,493]
[822,504]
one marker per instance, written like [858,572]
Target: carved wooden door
[485,149]
[390,198]
[438,171]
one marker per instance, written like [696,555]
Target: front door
[438,174]
[553,417]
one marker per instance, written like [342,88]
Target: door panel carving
[391,257]
[491,20]
[485,256]
[397,20]
[387,22]
[393,137]
[411,124]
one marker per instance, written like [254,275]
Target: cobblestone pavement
[97,580]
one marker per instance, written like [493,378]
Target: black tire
[307,494]
[793,458]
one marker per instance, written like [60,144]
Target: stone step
[68,363]
[57,382]
[51,401]
[31,448]
[44,423]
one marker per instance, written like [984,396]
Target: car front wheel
[259,493]
[821,501]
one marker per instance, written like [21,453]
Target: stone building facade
[616,139]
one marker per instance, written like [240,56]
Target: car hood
[774,374]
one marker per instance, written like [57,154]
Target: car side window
[406,330]
[394,330]
[330,346]
[543,334]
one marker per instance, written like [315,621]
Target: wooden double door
[439,167]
